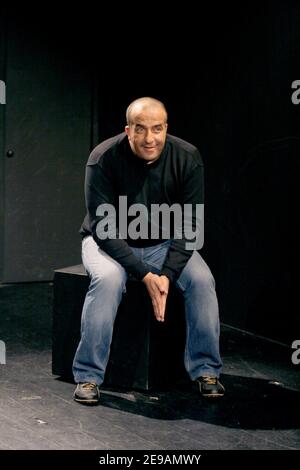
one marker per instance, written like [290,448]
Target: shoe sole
[87,402]
[211,395]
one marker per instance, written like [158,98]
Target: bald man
[142,168]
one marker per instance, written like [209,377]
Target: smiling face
[147,130]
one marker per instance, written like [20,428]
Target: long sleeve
[99,190]
[180,249]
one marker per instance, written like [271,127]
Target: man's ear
[127,129]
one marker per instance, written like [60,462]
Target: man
[147,167]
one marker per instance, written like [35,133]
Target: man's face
[147,132]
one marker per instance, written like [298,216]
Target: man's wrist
[146,277]
[168,276]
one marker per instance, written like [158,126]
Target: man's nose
[148,136]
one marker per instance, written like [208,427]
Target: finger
[159,308]
[153,292]
[156,307]
[162,305]
[164,298]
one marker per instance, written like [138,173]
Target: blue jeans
[108,283]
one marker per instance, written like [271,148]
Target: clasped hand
[158,288]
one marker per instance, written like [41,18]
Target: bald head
[146,128]
[143,105]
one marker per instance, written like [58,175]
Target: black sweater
[175,177]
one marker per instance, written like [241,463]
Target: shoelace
[209,380]
[89,385]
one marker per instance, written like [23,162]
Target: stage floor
[259,411]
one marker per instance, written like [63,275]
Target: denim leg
[154,256]
[202,356]
[108,282]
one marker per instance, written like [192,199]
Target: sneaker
[210,387]
[87,393]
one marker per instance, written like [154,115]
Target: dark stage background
[225,75]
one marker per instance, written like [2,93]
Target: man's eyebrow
[154,125]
